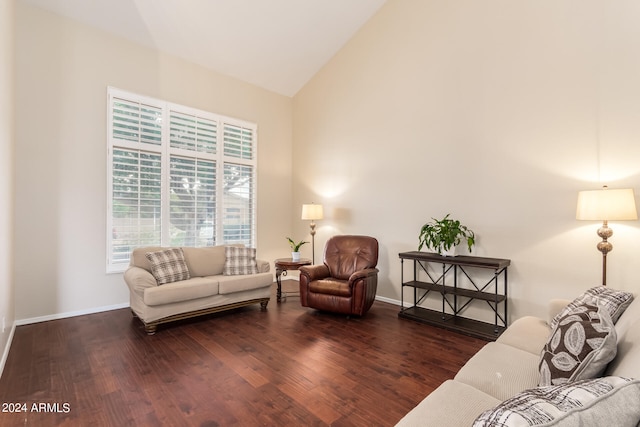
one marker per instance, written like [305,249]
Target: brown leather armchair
[348,279]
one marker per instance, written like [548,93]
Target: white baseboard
[70,314]
[5,353]
[389,300]
[29,321]
[32,320]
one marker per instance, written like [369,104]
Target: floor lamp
[312,212]
[606,205]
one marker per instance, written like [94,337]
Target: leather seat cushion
[331,287]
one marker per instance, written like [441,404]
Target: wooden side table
[282,266]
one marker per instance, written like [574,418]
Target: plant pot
[450,252]
[295,256]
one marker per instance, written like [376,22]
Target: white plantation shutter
[170,184]
[239,183]
[238,141]
[136,122]
[136,201]
[192,202]
[193,133]
[239,202]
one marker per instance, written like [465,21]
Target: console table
[456,298]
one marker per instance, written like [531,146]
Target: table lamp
[606,205]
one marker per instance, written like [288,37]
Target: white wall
[63,70]
[496,112]
[7,286]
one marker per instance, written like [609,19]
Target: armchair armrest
[315,272]
[363,274]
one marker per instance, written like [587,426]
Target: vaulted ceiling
[275,44]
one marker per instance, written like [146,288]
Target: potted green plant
[295,248]
[444,234]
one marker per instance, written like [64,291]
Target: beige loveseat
[509,368]
[207,290]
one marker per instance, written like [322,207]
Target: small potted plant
[443,235]
[295,248]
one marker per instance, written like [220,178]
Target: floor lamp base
[605,247]
[313,242]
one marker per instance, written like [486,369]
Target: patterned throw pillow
[168,265]
[580,346]
[609,401]
[615,301]
[239,261]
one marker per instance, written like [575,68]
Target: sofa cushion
[205,261]
[627,361]
[527,333]
[609,401]
[185,290]
[501,370]
[629,318]
[442,407]
[168,265]
[239,261]
[331,286]
[580,346]
[615,302]
[231,284]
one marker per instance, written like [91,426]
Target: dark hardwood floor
[287,365]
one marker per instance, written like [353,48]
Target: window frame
[220,159]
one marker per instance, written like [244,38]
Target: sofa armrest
[556,306]
[138,279]
[263,266]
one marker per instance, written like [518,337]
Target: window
[177,177]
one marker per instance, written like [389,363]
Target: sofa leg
[151,329]
[263,304]
[133,313]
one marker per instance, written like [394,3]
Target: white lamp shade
[607,205]
[312,212]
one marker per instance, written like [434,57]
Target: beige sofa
[207,290]
[510,365]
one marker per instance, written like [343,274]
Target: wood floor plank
[287,365]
